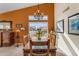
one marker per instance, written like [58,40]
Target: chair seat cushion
[39,47]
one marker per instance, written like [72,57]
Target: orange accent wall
[21,16]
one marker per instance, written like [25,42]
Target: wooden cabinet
[0,38]
[7,38]
[12,38]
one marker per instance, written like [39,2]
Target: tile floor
[16,51]
[11,51]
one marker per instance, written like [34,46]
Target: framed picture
[18,25]
[5,25]
[73,24]
[60,26]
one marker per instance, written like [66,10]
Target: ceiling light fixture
[38,15]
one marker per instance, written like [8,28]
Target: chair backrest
[52,39]
[44,43]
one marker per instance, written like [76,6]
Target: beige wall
[68,43]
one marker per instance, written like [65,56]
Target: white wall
[66,42]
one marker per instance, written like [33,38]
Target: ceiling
[6,7]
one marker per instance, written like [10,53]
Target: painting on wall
[18,25]
[60,26]
[73,24]
[5,25]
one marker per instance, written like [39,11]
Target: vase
[39,38]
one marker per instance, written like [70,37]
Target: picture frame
[73,24]
[19,25]
[60,26]
[5,25]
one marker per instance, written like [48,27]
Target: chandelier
[38,15]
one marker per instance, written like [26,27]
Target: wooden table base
[26,52]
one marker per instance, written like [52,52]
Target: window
[33,18]
[35,24]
